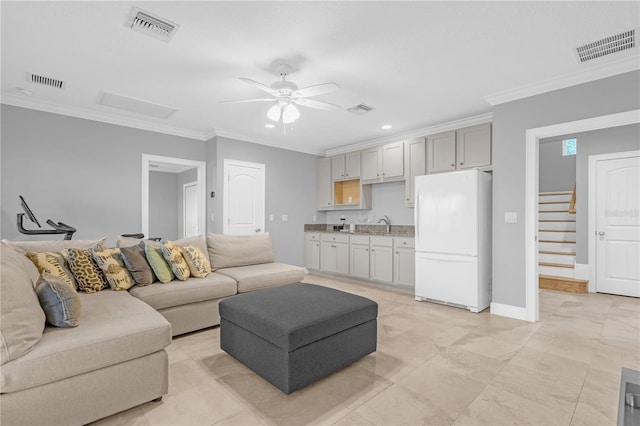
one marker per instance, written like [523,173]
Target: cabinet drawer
[312,236]
[334,238]
[382,241]
[404,242]
[359,239]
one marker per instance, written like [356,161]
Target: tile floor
[434,365]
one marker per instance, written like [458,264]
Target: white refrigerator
[453,239]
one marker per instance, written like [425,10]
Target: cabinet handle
[377,174]
[461,164]
[397,253]
[372,250]
[404,242]
[366,249]
[453,165]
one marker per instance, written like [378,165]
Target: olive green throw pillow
[85,270]
[110,262]
[59,301]
[198,262]
[173,255]
[158,264]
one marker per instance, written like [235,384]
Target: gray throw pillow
[136,262]
[59,301]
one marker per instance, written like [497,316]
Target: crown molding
[244,138]
[210,134]
[595,72]
[54,108]
[425,131]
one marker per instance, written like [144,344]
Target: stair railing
[572,203]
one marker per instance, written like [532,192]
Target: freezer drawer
[448,279]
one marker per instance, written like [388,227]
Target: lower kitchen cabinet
[334,253]
[404,261]
[381,259]
[359,256]
[312,250]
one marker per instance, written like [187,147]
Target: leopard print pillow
[85,270]
[198,262]
[173,255]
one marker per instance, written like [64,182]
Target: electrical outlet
[271,217]
[510,217]
[315,218]
[285,217]
[369,219]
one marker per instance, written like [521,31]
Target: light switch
[285,217]
[271,217]
[510,217]
[315,218]
[212,217]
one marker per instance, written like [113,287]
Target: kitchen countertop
[363,229]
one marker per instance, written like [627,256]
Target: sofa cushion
[226,251]
[175,293]
[115,328]
[136,262]
[112,266]
[197,241]
[197,260]
[59,301]
[160,266]
[21,317]
[54,263]
[52,246]
[85,270]
[265,275]
[173,255]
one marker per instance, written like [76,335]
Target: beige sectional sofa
[115,359]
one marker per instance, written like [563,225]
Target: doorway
[155,162]
[614,203]
[243,205]
[189,209]
[533,137]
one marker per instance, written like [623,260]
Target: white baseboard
[581,271]
[514,312]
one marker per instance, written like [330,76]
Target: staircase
[557,242]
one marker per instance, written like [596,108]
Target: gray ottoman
[296,334]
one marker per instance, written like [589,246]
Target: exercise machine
[58,228]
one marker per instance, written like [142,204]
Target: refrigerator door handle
[416,217]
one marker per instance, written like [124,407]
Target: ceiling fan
[287,95]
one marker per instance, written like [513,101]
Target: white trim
[225,190]
[201,179]
[533,137]
[594,72]
[100,116]
[297,145]
[515,312]
[593,195]
[581,272]
[426,131]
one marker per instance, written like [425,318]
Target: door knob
[601,233]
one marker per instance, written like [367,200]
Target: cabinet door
[415,164]
[352,165]
[337,167]
[324,186]
[473,146]
[359,259]
[441,152]
[371,160]
[328,257]
[342,258]
[404,266]
[393,161]
[312,255]
[381,266]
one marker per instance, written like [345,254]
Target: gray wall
[81,172]
[187,176]
[557,172]
[605,141]
[290,189]
[163,205]
[386,199]
[510,121]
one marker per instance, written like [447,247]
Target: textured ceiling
[418,63]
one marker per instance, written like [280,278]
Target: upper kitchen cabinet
[415,164]
[383,164]
[324,186]
[461,149]
[345,166]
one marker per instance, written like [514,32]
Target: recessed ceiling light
[24,91]
[386,127]
[269,126]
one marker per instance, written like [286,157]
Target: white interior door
[243,197]
[618,226]
[190,209]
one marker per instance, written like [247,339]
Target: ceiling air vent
[360,109]
[152,25]
[45,81]
[607,46]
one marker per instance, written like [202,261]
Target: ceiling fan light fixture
[274,113]
[290,114]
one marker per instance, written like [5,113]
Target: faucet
[387,221]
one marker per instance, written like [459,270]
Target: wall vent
[607,46]
[152,25]
[360,109]
[45,81]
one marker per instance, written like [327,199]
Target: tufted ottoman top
[295,315]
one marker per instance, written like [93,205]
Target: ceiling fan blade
[318,89]
[312,103]
[261,86]
[248,100]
